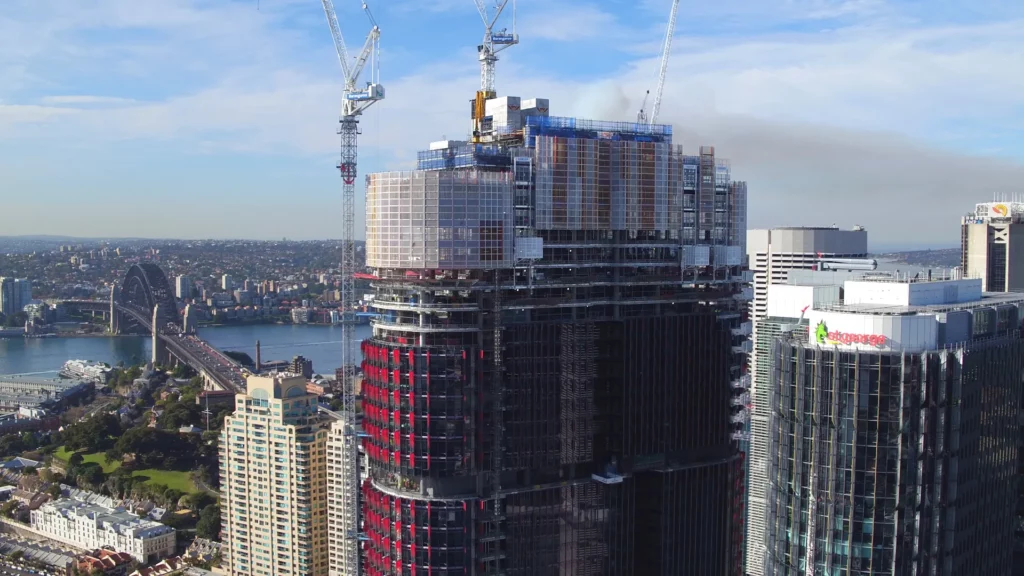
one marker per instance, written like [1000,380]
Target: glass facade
[893,463]
[455,219]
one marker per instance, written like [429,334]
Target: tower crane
[666,51]
[355,100]
[641,116]
[493,43]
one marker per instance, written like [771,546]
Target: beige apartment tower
[992,246]
[273,481]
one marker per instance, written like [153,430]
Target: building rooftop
[993,299]
[41,382]
[117,519]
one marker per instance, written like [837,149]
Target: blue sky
[212,118]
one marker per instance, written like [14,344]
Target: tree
[183,371]
[155,448]
[15,320]
[90,474]
[94,434]
[9,508]
[209,523]
[11,445]
[180,414]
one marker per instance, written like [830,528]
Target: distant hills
[937,258]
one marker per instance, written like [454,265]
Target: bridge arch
[145,286]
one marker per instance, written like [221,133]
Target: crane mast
[666,51]
[354,101]
[493,43]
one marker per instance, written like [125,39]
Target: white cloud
[16,114]
[568,22]
[84,100]
[820,123]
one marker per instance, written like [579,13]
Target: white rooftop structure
[995,212]
[898,314]
[89,526]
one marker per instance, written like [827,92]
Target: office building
[226,283]
[894,431]
[183,287]
[992,246]
[771,255]
[550,385]
[15,294]
[273,481]
[88,526]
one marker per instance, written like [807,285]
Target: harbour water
[44,357]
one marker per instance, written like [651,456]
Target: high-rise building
[894,430]
[550,385]
[15,294]
[992,246]
[771,255]
[183,287]
[226,283]
[273,481]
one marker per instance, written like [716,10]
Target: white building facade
[183,287]
[771,254]
[273,481]
[992,246]
[90,526]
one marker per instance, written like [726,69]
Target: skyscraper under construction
[555,382]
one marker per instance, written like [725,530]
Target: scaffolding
[464,156]
[545,333]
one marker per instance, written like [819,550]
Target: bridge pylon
[115,325]
[159,348]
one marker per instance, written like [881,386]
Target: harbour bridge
[144,304]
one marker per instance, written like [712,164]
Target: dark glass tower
[550,386]
[894,438]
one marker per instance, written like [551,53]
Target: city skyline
[227,111]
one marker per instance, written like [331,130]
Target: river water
[321,344]
[44,356]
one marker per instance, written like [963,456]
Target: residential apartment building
[552,385]
[15,294]
[894,430]
[273,481]
[992,246]
[183,287]
[771,255]
[90,526]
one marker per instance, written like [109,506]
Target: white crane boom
[339,40]
[666,51]
[487,50]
